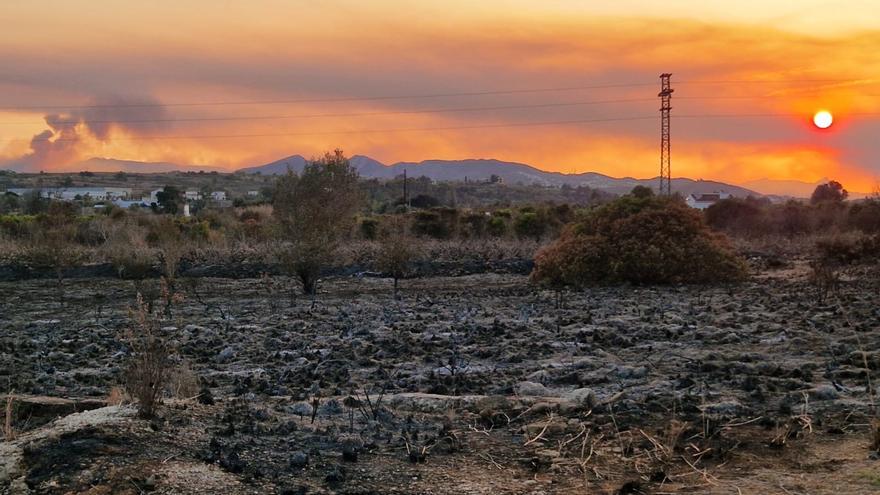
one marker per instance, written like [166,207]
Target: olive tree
[396,250]
[315,211]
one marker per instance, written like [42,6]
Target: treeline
[752,217]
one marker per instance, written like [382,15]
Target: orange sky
[150,62]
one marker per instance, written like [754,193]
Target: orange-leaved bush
[638,239]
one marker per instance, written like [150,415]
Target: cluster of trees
[826,212]
[420,192]
[637,238]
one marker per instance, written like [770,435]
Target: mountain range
[477,170]
[509,172]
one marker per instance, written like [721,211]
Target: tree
[168,199]
[34,203]
[833,191]
[396,251]
[648,240]
[314,212]
[642,191]
[9,202]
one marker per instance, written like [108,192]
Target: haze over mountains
[476,170]
[510,172]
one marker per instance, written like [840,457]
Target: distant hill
[793,188]
[113,165]
[296,163]
[510,172]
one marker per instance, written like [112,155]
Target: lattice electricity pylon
[665,159]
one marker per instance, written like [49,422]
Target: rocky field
[471,384]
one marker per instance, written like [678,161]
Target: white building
[73,193]
[192,195]
[218,195]
[153,197]
[702,201]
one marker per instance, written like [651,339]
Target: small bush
[149,364]
[645,240]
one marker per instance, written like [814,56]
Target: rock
[582,397]
[532,389]
[205,396]
[351,447]
[727,408]
[299,459]
[824,392]
[336,475]
[226,355]
[630,372]
[301,409]
[10,463]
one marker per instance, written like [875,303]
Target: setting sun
[823,119]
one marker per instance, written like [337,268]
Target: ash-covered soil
[475,384]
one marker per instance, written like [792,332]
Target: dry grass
[875,435]
[116,397]
[8,428]
[183,382]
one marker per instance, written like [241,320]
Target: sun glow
[823,119]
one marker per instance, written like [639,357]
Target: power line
[326,100]
[425,96]
[370,131]
[763,115]
[779,81]
[348,114]
[450,128]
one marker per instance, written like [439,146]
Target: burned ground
[474,384]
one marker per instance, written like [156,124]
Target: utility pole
[665,159]
[405,197]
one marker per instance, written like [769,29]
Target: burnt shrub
[735,215]
[439,223]
[474,224]
[643,240]
[369,228]
[424,201]
[849,249]
[865,215]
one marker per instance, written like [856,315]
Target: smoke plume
[65,141]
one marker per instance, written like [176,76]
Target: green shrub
[369,228]
[496,227]
[529,225]
[643,240]
[16,226]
